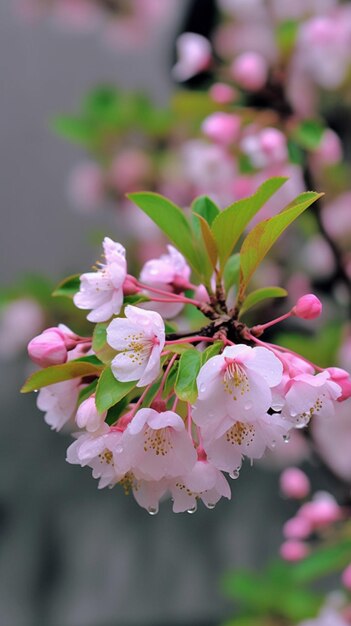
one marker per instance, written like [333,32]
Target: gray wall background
[70,555]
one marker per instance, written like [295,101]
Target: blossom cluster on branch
[166,410]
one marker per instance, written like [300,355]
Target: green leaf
[116,411]
[100,346]
[210,244]
[74,129]
[110,391]
[262,237]
[257,296]
[172,221]
[309,134]
[68,287]
[87,391]
[230,224]
[231,271]
[286,33]
[59,373]
[322,562]
[205,207]
[211,351]
[188,369]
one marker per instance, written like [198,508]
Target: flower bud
[222,127]
[308,307]
[293,550]
[342,378]
[49,348]
[346,577]
[250,71]
[297,528]
[294,483]
[329,150]
[194,54]
[88,416]
[130,286]
[222,93]
[321,511]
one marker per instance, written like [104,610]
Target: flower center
[235,380]
[157,441]
[240,434]
[106,457]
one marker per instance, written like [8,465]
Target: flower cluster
[160,411]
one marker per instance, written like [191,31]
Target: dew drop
[152,510]
[192,510]
[286,438]
[202,388]
[36,390]
[211,506]
[234,474]
[273,444]
[119,449]
[248,406]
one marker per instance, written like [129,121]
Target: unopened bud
[322,511]
[222,93]
[293,550]
[342,378]
[49,348]
[250,71]
[88,416]
[222,127]
[308,307]
[346,577]
[294,483]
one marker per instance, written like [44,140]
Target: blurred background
[72,555]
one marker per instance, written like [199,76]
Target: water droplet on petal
[286,438]
[202,388]
[152,510]
[119,449]
[273,444]
[192,510]
[36,390]
[210,506]
[234,474]
[248,406]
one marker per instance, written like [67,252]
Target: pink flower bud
[294,483]
[88,416]
[322,511]
[346,577]
[273,144]
[194,54]
[342,378]
[293,550]
[297,528]
[329,150]
[49,348]
[222,127]
[250,71]
[222,93]
[308,307]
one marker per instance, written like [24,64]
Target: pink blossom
[332,438]
[310,396]
[171,273]
[59,401]
[297,528]
[308,307]
[102,291]
[98,451]
[194,56]
[19,320]
[147,493]
[293,550]
[222,127]
[329,616]
[322,511]
[156,445]
[227,442]
[266,147]
[204,481]
[86,187]
[346,577]
[343,379]
[129,170]
[237,383]
[88,416]
[139,338]
[250,70]
[294,483]
[329,150]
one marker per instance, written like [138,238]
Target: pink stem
[164,377]
[199,436]
[189,421]
[175,404]
[262,327]
[190,340]
[137,405]
[168,294]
